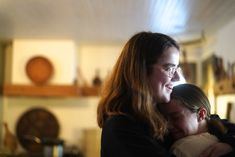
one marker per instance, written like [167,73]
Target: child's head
[187,111]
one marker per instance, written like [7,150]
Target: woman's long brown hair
[127,90]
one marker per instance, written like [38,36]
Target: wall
[1,84]
[1,64]
[97,57]
[221,43]
[74,114]
[61,53]
[225,42]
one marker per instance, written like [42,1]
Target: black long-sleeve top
[123,136]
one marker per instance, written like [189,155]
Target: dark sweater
[123,136]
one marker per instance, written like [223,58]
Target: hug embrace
[131,111]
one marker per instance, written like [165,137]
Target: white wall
[225,42]
[101,57]
[221,42]
[61,53]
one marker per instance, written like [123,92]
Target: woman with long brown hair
[143,76]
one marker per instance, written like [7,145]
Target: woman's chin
[166,99]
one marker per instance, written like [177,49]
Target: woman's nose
[176,76]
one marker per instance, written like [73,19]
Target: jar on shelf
[97,81]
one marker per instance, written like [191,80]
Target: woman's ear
[202,114]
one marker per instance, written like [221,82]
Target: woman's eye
[168,69]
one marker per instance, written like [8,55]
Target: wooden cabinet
[50,90]
[226,86]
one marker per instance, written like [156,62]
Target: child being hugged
[193,129]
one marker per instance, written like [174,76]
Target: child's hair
[191,97]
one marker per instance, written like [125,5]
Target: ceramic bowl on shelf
[39,70]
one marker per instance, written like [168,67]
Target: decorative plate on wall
[39,70]
[34,125]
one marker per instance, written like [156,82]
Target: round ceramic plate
[36,122]
[39,70]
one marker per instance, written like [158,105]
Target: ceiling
[111,20]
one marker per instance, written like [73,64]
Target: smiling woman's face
[160,80]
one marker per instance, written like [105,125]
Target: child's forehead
[174,105]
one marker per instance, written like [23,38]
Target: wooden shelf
[90,91]
[49,90]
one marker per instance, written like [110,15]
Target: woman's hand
[217,150]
